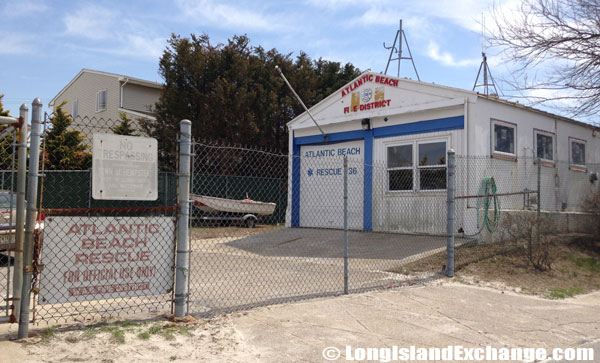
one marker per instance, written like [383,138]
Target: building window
[577,153]
[75,108]
[400,167]
[432,165]
[101,101]
[504,136]
[427,173]
[544,145]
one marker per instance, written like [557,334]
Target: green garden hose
[487,196]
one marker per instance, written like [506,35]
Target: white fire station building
[396,133]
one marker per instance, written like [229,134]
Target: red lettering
[87,243]
[144,256]
[110,229]
[119,255]
[74,229]
[81,258]
[108,257]
[141,241]
[101,243]
[94,258]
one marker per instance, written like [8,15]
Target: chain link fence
[8,206]
[98,258]
[267,228]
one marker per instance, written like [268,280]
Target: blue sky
[44,44]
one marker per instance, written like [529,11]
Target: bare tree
[556,46]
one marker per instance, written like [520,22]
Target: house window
[577,153]
[400,167]
[427,173]
[432,165]
[101,101]
[504,136]
[544,145]
[75,108]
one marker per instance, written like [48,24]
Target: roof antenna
[487,74]
[302,103]
[400,34]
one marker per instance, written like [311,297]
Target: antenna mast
[487,74]
[400,35]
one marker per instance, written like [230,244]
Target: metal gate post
[345,224]
[32,191]
[20,220]
[183,194]
[450,214]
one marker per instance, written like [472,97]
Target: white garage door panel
[322,185]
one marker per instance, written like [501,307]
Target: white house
[94,97]
[396,133]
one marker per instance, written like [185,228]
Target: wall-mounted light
[366,123]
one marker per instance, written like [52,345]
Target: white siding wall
[140,98]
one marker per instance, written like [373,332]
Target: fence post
[345,224]
[182,265]
[20,218]
[450,214]
[32,191]
[539,197]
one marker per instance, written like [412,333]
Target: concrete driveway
[230,273]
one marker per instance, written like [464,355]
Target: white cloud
[228,16]
[112,32]
[447,59]
[22,8]
[93,22]
[12,44]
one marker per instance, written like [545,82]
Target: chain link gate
[98,258]
[268,228]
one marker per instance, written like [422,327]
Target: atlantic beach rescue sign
[92,258]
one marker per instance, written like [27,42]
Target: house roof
[405,81]
[120,77]
[467,93]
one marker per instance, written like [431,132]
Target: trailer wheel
[250,222]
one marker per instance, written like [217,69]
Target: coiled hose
[487,196]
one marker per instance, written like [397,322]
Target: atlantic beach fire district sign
[124,167]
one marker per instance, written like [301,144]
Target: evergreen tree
[64,147]
[125,127]
[232,92]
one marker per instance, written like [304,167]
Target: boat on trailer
[243,206]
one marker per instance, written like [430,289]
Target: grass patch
[144,335]
[89,333]
[48,333]
[118,336]
[575,269]
[173,357]
[560,293]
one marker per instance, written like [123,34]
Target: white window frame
[438,166]
[98,108]
[572,165]
[75,108]
[536,132]
[412,167]
[416,168]
[502,154]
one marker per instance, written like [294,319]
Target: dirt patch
[575,269]
[151,341]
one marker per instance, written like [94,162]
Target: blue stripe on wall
[442,124]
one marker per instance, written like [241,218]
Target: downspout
[557,195]
[123,85]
